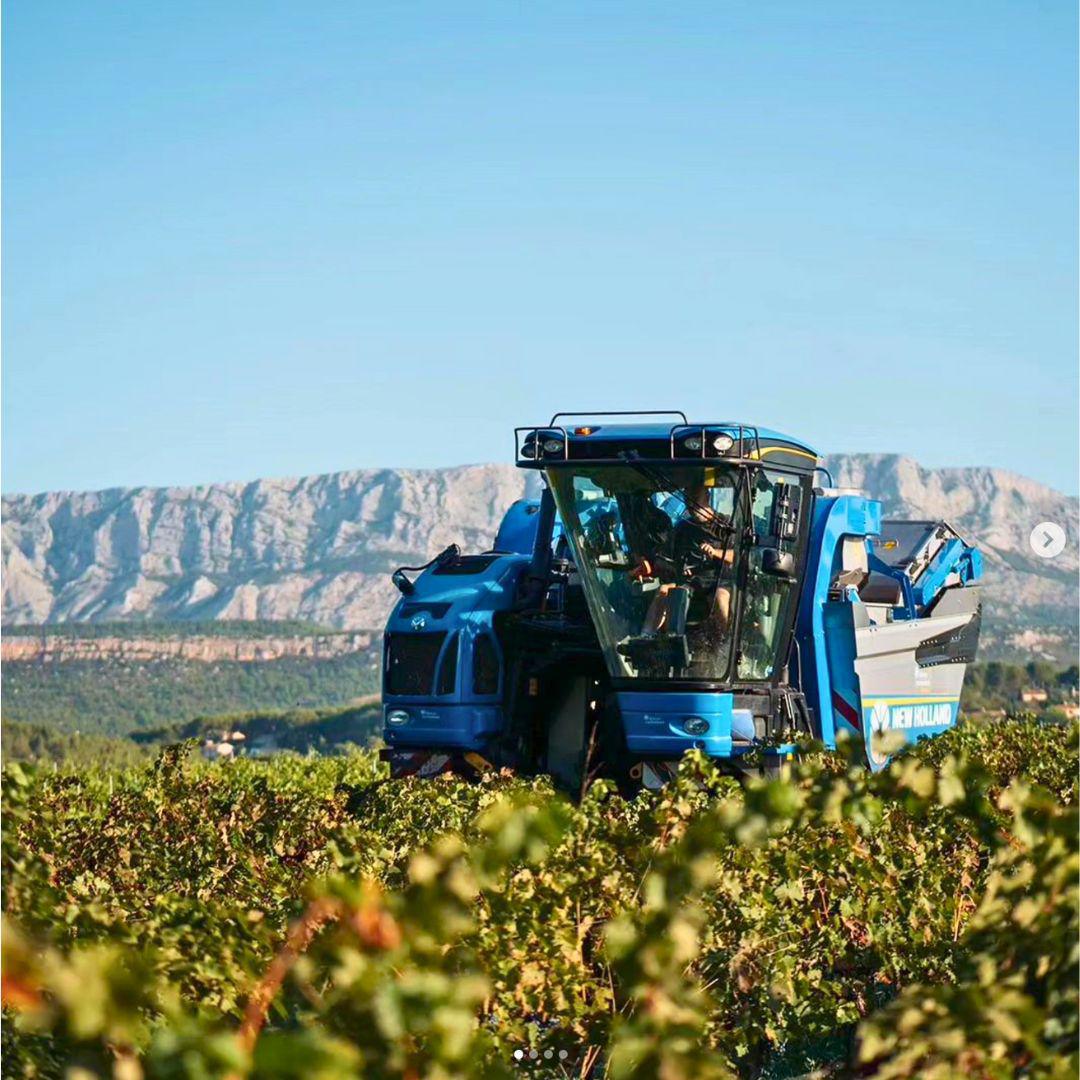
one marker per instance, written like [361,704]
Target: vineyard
[303,917]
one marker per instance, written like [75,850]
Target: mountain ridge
[321,547]
[287,478]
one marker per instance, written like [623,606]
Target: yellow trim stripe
[754,455]
[909,701]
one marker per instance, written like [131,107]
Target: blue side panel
[517,532]
[653,723]
[835,517]
[838,619]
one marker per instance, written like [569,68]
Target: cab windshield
[658,548]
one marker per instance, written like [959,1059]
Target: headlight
[695,725]
[553,446]
[693,443]
[723,443]
[397,717]
[529,450]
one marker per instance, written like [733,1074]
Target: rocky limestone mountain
[321,548]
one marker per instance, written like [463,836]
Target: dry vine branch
[317,914]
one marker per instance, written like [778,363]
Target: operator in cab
[699,559]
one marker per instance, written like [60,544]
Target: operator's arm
[726,555]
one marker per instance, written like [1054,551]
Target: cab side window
[768,599]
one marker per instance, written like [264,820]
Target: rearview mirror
[778,563]
[786,512]
[404,585]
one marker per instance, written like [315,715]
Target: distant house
[1071,710]
[1033,696]
[225,746]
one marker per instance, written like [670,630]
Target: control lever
[615,561]
[447,555]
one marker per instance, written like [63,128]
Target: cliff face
[207,649]
[321,548]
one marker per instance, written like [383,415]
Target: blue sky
[269,239]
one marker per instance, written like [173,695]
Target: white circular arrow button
[1047,539]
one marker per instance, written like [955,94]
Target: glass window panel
[657,548]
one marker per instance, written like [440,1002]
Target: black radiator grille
[485,666]
[410,662]
[448,668]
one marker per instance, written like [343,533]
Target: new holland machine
[676,585]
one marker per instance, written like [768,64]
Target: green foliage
[307,917]
[298,730]
[302,730]
[1013,1007]
[1022,748]
[116,697]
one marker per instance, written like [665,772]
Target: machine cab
[689,540]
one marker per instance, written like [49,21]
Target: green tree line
[116,698]
[999,685]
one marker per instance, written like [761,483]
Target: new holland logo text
[886,717]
